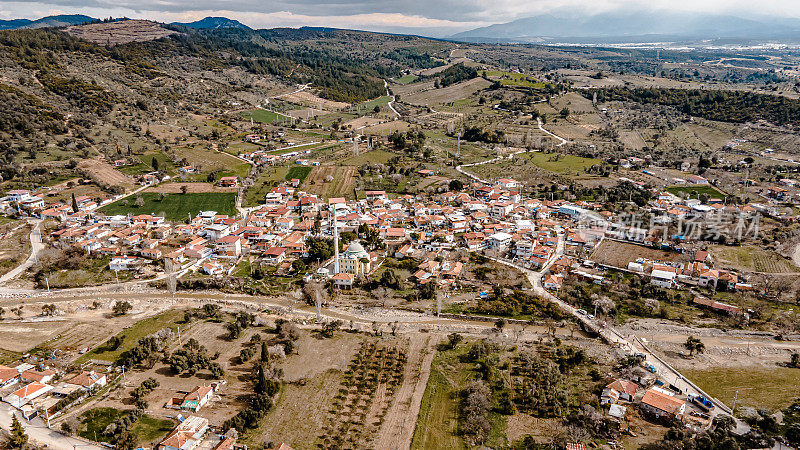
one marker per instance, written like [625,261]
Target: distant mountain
[49,21]
[635,27]
[213,23]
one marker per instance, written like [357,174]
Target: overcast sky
[428,17]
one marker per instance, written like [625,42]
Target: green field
[561,163]
[437,422]
[175,207]
[299,172]
[94,421]
[769,388]
[145,165]
[143,328]
[369,105]
[150,429]
[260,115]
[513,79]
[406,79]
[695,191]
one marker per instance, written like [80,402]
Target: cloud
[433,17]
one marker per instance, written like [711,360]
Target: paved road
[631,346]
[38,432]
[386,85]
[561,140]
[36,248]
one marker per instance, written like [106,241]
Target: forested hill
[721,105]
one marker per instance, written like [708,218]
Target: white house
[187,435]
[662,278]
[24,395]
[88,380]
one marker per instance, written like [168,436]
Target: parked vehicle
[675,389]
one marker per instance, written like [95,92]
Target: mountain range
[78,19]
[635,27]
[49,21]
[213,23]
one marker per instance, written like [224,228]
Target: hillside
[49,21]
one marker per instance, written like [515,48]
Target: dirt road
[36,247]
[398,426]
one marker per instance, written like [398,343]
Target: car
[581,312]
[675,389]
[590,316]
[651,368]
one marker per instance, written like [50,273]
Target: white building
[352,260]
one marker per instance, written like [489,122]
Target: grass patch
[94,421]
[142,328]
[150,429]
[406,79]
[769,388]
[175,207]
[560,163]
[695,191]
[7,356]
[371,104]
[299,172]
[260,115]
[513,79]
[437,423]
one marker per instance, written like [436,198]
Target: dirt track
[398,426]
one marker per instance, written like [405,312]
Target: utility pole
[735,396]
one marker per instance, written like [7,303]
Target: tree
[74,203]
[456,185]
[564,113]
[66,428]
[694,345]
[500,324]
[184,189]
[376,109]
[795,360]
[18,438]
[121,308]
[330,327]
[155,164]
[48,309]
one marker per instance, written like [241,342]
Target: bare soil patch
[307,98]
[619,254]
[105,173]
[122,32]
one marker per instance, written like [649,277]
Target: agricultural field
[175,207]
[371,157]
[406,79]
[260,115]
[206,161]
[332,181]
[619,254]
[447,94]
[513,79]
[695,191]
[104,173]
[751,258]
[766,388]
[298,172]
[562,163]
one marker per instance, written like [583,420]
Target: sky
[426,17]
